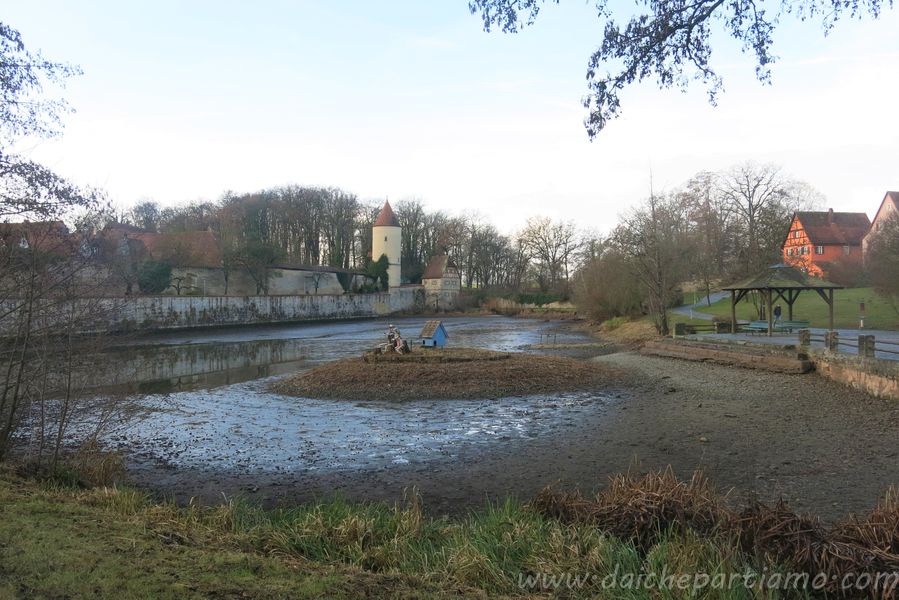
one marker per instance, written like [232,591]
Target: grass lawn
[114,544]
[62,542]
[59,542]
[879,314]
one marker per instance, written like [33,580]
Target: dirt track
[821,446]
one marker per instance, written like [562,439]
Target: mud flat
[446,374]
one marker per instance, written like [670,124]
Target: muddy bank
[450,374]
[820,446]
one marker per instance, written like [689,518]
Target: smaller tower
[386,239]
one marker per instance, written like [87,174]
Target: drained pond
[204,419]
[201,420]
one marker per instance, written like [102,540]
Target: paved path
[848,335]
[695,310]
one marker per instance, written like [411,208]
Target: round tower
[386,239]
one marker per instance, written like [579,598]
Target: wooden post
[733,311]
[830,306]
[832,340]
[790,300]
[805,338]
[866,346]
[769,301]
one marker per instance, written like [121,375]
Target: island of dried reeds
[457,373]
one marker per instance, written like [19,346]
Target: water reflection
[183,362]
[207,403]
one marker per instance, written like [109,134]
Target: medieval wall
[152,313]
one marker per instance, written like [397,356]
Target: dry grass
[631,334]
[645,510]
[436,355]
[867,544]
[115,542]
[641,509]
[447,374]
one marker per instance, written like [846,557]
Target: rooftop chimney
[830,216]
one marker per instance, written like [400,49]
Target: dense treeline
[718,226]
[328,226]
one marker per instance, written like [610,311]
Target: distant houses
[816,241]
[831,244]
[442,282]
[889,207]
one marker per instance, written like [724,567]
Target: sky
[182,101]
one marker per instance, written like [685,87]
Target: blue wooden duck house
[433,335]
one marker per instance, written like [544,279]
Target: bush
[540,298]
[154,276]
[614,323]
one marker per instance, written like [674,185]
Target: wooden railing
[864,344]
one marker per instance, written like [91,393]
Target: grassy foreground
[60,542]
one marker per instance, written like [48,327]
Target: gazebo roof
[782,277]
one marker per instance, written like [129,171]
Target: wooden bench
[756,327]
[790,325]
[780,326]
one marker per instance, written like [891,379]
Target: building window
[846,250]
[795,233]
[819,249]
[789,252]
[385,238]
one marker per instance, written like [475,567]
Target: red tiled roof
[47,236]
[438,266]
[185,249]
[829,228]
[889,197]
[386,218]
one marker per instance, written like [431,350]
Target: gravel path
[822,446]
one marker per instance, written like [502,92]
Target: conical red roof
[386,218]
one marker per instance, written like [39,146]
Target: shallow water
[207,404]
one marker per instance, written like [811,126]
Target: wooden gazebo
[779,281]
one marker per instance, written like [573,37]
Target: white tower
[386,239]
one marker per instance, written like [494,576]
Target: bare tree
[552,245]
[656,239]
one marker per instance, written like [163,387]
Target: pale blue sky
[184,100]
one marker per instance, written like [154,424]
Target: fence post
[832,341]
[680,329]
[866,346]
[805,337]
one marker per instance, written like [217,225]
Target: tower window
[385,238]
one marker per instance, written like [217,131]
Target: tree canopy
[28,189]
[670,40]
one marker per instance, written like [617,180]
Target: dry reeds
[447,374]
[856,557]
[641,509]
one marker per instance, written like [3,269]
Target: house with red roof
[817,240]
[442,282]
[889,208]
[50,237]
